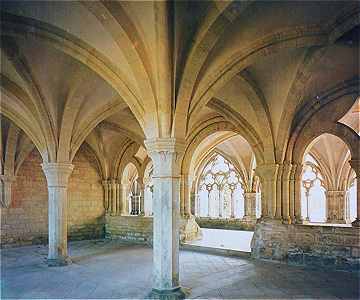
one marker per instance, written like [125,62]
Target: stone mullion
[57,176]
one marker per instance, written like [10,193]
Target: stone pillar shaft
[268,176]
[335,206]
[124,199]
[57,176]
[250,206]
[165,154]
[6,190]
[142,199]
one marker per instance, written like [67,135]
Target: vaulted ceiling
[108,73]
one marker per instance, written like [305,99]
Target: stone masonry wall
[26,221]
[130,229]
[231,224]
[314,246]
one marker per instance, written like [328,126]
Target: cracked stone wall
[26,221]
[315,246]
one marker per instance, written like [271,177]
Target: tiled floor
[225,239]
[106,269]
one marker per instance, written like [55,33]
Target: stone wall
[315,246]
[26,221]
[231,224]
[140,229]
[132,229]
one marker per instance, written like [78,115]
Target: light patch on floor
[236,240]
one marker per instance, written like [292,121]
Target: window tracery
[220,191]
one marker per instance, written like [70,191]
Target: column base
[356,223]
[171,294]
[59,262]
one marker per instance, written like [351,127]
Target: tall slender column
[166,154]
[57,176]
[297,193]
[113,196]
[118,204]
[268,176]
[285,196]
[124,199]
[142,199]
[106,194]
[6,190]
[250,207]
[355,164]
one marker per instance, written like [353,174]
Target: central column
[57,176]
[166,155]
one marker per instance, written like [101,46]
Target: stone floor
[237,240]
[106,269]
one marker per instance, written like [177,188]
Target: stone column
[355,164]
[285,196]
[57,176]
[118,203]
[6,190]
[106,194]
[142,199]
[186,184]
[297,193]
[124,199]
[268,176]
[335,206]
[250,207]
[166,154]
[113,196]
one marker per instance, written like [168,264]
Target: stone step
[213,250]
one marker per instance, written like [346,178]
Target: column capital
[166,154]
[57,174]
[165,145]
[267,171]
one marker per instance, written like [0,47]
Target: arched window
[313,199]
[219,191]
